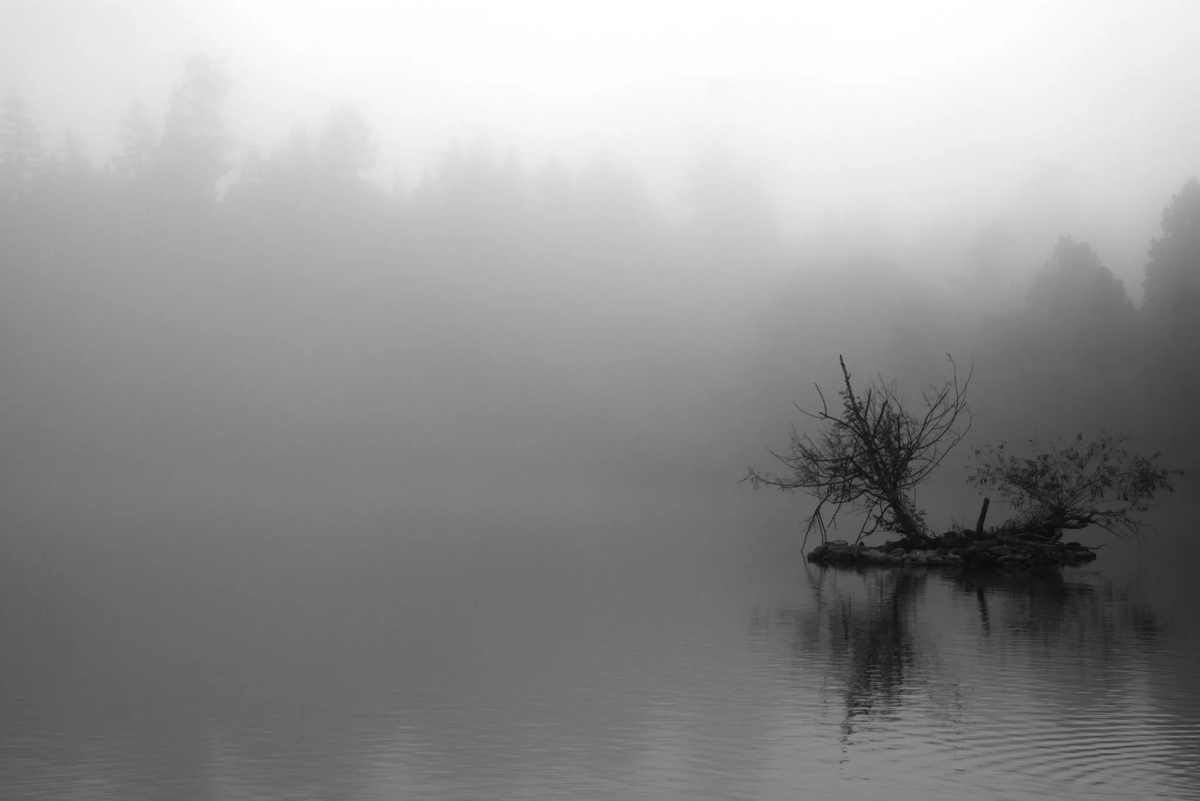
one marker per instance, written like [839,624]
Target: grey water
[671,650]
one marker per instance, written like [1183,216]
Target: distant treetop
[1173,273]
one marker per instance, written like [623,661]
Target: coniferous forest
[266,326]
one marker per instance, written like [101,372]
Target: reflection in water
[537,666]
[866,633]
[1067,681]
[1053,606]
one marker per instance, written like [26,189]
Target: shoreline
[957,550]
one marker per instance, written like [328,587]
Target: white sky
[917,108]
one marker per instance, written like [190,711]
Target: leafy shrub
[1074,484]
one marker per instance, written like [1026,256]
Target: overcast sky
[909,110]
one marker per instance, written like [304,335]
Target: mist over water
[374,396]
[362,664]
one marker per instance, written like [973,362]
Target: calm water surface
[563,658]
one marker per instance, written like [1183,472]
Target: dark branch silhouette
[1074,485]
[873,455]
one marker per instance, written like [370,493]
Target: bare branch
[873,455]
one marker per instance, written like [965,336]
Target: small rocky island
[871,456]
[957,549]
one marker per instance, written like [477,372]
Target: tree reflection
[883,639]
[1057,607]
[863,626]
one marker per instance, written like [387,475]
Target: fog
[378,382]
[280,254]
[910,117]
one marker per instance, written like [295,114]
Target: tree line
[193,280]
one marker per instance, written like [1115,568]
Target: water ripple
[882,684]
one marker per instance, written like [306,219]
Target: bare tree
[873,454]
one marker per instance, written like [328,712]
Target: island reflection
[892,643]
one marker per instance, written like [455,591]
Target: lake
[662,652]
